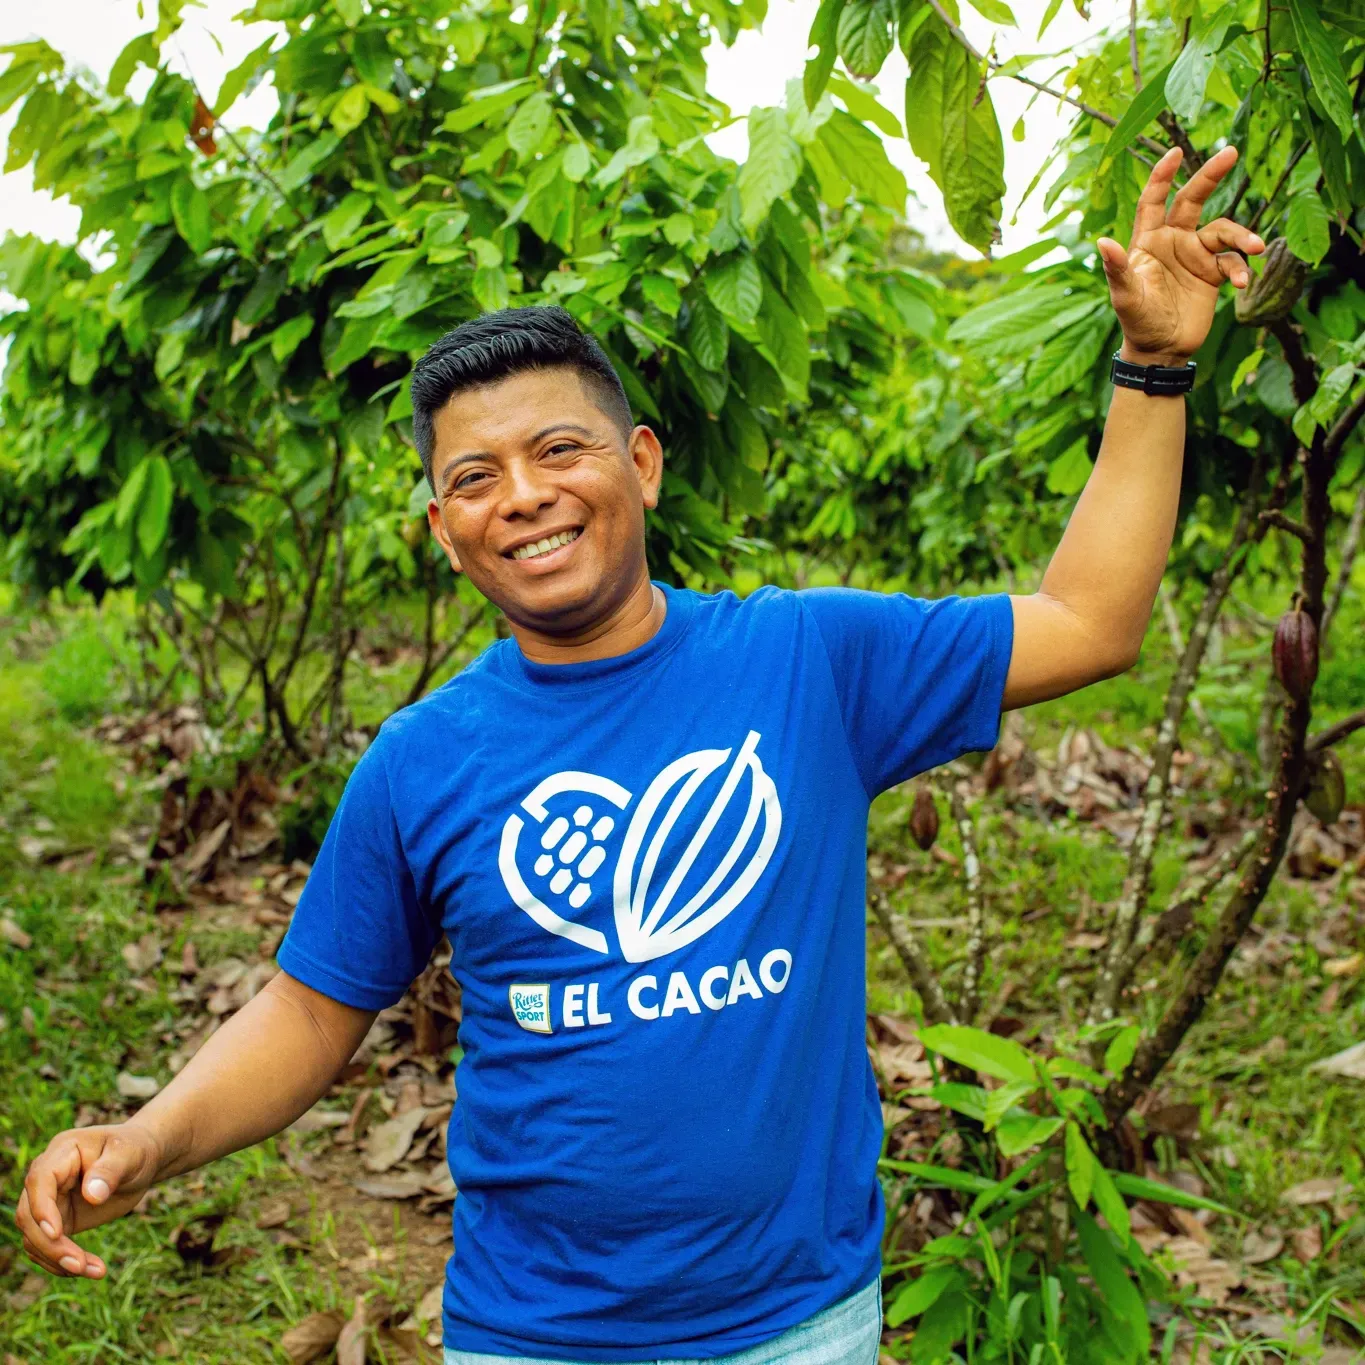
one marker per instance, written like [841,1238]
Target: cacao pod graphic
[1326,788]
[1273,293]
[924,819]
[1295,652]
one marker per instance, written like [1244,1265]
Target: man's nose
[526,490]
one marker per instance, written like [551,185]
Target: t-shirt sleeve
[919,683]
[359,933]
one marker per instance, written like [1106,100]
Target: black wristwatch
[1155,379]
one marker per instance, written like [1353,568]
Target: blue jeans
[848,1333]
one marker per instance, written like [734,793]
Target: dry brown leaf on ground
[143,955]
[1306,1243]
[274,1215]
[313,1337]
[1087,941]
[351,1341]
[1344,966]
[1322,1190]
[316,1119]
[401,1185]
[1214,1279]
[388,1142]
[1349,1062]
[13,934]
[429,1306]
[1262,1244]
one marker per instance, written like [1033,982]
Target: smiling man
[641,823]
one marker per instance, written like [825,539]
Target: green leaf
[131,493]
[307,160]
[577,162]
[355,341]
[1321,54]
[484,103]
[240,76]
[995,10]
[1080,1165]
[946,1176]
[708,337]
[962,1099]
[1110,1203]
[490,288]
[1189,73]
[289,336]
[642,142]
[349,112]
[1018,1133]
[736,288]
[18,79]
[1307,227]
[865,35]
[154,512]
[190,209]
[527,128]
[824,36]
[663,294]
[345,218]
[857,154]
[941,1326]
[1136,1187]
[1246,373]
[918,1295]
[143,50]
[771,168]
[981,1051]
[263,295]
[1142,109]
[784,334]
[1124,1043]
[862,104]
[999,1102]
[950,121]
[1069,357]
[1069,472]
[1016,322]
[1117,1291]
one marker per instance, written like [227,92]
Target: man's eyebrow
[466,458]
[560,426]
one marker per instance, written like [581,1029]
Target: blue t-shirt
[651,872]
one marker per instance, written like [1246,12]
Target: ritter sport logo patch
[550,863]
[531,1007]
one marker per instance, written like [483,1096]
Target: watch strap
[1153,379]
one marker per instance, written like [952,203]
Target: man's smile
[546,546]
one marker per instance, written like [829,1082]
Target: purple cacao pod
[924,819]
[1295,653]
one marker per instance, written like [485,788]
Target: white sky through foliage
[754,71]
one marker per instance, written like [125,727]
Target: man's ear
[438,530]
[647,455]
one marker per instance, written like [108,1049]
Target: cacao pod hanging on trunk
[924,819]
[1272,294]
[1326,788]
[1295,652]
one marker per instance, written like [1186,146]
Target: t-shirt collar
[679,608]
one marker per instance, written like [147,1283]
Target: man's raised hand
[1165,286]
[86,1177]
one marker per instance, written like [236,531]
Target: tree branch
[1133,45]
[1301,366]
[1295,528]
[1344,426]
[1121,960]
[969,998]
[1194,158]
[1324,739]
[1192,896]
[915,960]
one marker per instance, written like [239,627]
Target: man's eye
[561,447]
[468,480]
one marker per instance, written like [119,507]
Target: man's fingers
[53,1173]
[1125,290]
[1151,205]
[118,1163]
[55,1252]
[1224,235]
[1189,202]
[1233,268]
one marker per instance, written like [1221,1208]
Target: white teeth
[543,547]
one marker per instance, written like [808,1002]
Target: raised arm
[267,1065]
[1088,619]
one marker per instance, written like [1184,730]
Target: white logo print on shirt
[646,929]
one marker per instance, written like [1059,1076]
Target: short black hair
[506,342]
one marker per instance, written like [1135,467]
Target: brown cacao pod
[1272,294]
[1295,652]
[1326,788]
[924,819]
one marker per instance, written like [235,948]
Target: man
[641,822]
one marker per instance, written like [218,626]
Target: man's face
[531,459]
